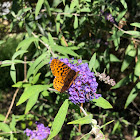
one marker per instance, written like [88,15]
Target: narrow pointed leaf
[137,68]
[92,61]
[59,120]
[133,94]
[84,120]
[4,127]
[38,7]
[13,73]
[30,91]
[101,102]
[76,22]
[18,53]
[135,24]
[31,102]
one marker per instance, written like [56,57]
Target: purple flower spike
[84,87]
[40,133]
[110,18]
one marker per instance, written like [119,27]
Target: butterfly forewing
[59,68]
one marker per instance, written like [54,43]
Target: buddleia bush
[97,41]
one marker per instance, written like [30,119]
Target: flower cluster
[40,133]
[110,18]
[106,79]
[84,87]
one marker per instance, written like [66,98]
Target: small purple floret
[40,133]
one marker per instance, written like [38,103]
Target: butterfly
[64,75]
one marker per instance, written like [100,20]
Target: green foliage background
[43,29]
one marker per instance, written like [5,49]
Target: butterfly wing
[59,68]
[64,75]
[69,80]
[58,83]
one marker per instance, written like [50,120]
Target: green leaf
[116,126]
[18,84]
[74,3]
[92,61]
[121,15]
[38,7]
[4,127]
[64,2]
[75,22]
[31,102]
[35,78]
[64,50]
[11,137]
[1,42]
[2,117]
[18,61]
[40,65]
[13,123]
[126,62]
[85,120]
[136,24]
[59,120]
[85,9]
[129,56]
[6,63]
[137,138]
[101,102]
[63,42]
[133,94]
[106,124]
[51,41]
[35,64]
[137,68]
[134,33]
[124,3]
[126,80]
[26,43]
[113,58]
[116,37]
[30,91]
[13,73]
[18,53]
[45,93]
[47,7]
[56,3]
[58,23]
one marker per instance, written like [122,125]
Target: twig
[74,14]
[85,113]
[25,68]
[126,32]
[1,62]
[80,112]
[1,133]
[46,45]
[15,94]
[51,89]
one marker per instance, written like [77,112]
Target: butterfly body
[64,75]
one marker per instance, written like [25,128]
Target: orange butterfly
[64,75]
